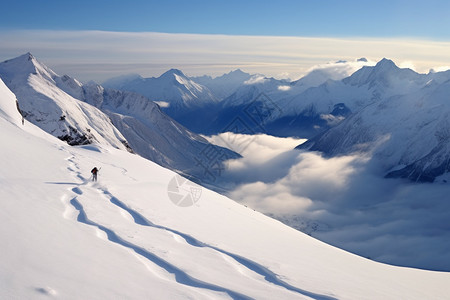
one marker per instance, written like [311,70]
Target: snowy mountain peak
[25,65]
[25,57]
[171,73]
[385,64]
[237,72]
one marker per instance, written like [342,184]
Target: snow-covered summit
[172,73]
[27,64]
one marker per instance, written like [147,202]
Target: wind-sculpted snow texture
[121,237]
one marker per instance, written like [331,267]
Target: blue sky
[101,39]
[324,18]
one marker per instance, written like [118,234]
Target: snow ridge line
[180,276]
[268,275]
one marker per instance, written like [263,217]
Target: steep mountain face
[406,129]
[43,103]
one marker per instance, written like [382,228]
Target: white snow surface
[123,238]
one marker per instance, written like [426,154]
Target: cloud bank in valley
[344,201]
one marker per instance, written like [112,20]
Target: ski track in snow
[180,276]
[249,264]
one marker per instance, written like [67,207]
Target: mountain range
[127,236]
[394,116]
[403,122]
[375,109]
[89,113]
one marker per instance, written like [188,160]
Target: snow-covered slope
[46,105]
[172,87]
[124,238]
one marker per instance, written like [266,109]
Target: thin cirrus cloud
[98,55]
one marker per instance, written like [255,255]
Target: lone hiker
[94,174]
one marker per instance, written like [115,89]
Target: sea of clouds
[344,201]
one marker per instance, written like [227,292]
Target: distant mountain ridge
[230,97]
